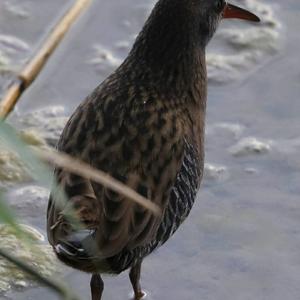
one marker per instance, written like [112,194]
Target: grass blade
[63,291]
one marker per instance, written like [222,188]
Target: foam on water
[16,9]
[41,126]
[28,201]
[234,130]
[12,50]
[215,172]
[38,128]
[104,59]
[4,61]
[250,145]
[11,169]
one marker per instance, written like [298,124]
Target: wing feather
[143,150]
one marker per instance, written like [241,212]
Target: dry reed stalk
[33,68]
[82,169]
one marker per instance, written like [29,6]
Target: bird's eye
[219,5]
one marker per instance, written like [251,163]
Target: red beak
[235,12]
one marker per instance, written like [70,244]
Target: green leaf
[8,217]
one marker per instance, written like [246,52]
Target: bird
[144,125]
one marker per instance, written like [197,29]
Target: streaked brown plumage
[144,125]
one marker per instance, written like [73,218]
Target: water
[22,26]
[242,239]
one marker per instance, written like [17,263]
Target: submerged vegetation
[25,258]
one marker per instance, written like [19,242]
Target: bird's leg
[135,275]
[97,287]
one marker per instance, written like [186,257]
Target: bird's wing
[142,150]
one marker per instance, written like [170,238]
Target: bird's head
[206,15]
[183,25]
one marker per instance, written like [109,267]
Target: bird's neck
[170,55]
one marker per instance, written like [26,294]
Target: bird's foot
[140,295]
